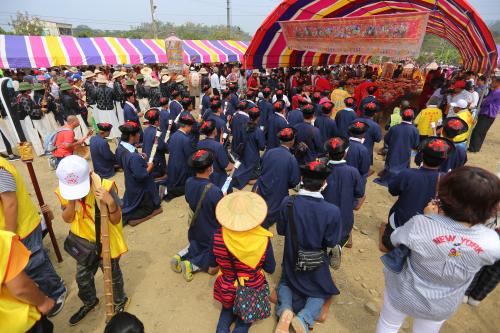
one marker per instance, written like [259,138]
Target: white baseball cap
[74,177]
[460,104]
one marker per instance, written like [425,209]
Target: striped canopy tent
[49,51]
[210,51]
[453,20]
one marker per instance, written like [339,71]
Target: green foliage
[24,24]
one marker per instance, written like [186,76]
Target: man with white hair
[215,82]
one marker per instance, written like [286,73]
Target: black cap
[358,127]
[242,105]
[336,145]
[267,91]
[105,127]
[454,126]
[408,114]
[370,108]
[186,102]
[437,147]
[175,93]
[308,109]
[201,159]
[287,134]
[215,105]
[226,92]
[327,107]
[349,102]
[315,170]
[187,119]
[279,106]
[371,89]
[152,115]
[207,127]
[130,127]
[254,112]
[163,101]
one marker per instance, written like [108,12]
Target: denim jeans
[226,318]
[86,285]
[40,268]
[286,299]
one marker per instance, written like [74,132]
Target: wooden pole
[27,157]
[106,254]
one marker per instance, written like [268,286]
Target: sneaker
[299,325]
[175,263]
[187,270]
[335,257]
[473,302]
[121,307]
[162,189]
[13,158]
[82,312]
[59,304]
[284,322]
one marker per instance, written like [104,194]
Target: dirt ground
[166,303]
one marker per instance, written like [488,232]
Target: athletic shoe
[335,257]
[175,263]
[473,302]
[187,270]
[82,312]
[121,307]
[13,158]
[284,322]
[59,304]
[299,325]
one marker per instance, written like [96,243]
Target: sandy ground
[166,303]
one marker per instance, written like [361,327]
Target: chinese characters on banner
[175,54]
[394,35]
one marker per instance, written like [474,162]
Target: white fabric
[128,146]
[82,130]
[31,135]
[53,125]
[310,194]
[119,113]
[390,321]
[143,104]
[214,82]
[285,99]
[108,116]
[42,126]
[8,132]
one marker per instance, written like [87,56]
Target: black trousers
[145,208]
[479,133]
[42,326]
[8,147]
[484,282]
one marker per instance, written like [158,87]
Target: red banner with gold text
[393,35]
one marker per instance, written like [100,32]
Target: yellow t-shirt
[425,118]
[338,96]
[16,316]
[466,116]
[83,224]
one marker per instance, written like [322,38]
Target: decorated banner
[175,54]
[394,35]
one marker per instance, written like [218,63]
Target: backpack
[49,143]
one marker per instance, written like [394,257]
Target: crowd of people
[250,151]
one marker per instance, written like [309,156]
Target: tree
[24,24]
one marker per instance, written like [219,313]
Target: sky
[122,14]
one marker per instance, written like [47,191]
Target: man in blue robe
[140,201]
[233,87]
[277,121]
[358,156]
[280,172]
[205,101]
[308,135]
[345,187]
[130,112]
[228,109]
[253,143]
[452,127]
[415,188]
[370,99]
[345,117]
[149,139]
[221,160]
[374,133]
[200,191]
[216,116]
[266,108]
[164,115]
[175,105]
[180,147]
[238,125]
[102,157]
[324,122]
[309,223]
[296,116]
[400,140]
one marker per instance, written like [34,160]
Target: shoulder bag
[192,216]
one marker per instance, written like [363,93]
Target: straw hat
[88,74]
[164,71]
[146,71]
[101,79]
[24,86]
[154,83]
[203,71]
[97,71]
[117,74]
[180,79]
[241,211]
[165,78]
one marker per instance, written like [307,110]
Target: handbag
[193,215]
[85,252]
[305,261]
[250,304]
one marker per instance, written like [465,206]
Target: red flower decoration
[438,145]
[455,124]
[199,153]
[335,142]
[371,106]
[132,124]
[408,113]
[279,92]
[286,131]
[205,124]
[314,164]
[359,124]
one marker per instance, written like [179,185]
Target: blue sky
[121,14]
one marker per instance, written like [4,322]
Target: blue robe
[138,180]
[238,127]
[372,135]
[254,143]
[201,232]
[327,127]
[295,117]
[415,188]
[220,125]
[276,124]
[175,108]
[180,147]
[102,157]
[280,172]
[318,226]
[343,119]
[221,161]
[235,100]
[228,110]
[164,118]
[318,110]
[358,156]
[194,135]
[400,140]
[344,187]
[311,136]
[159,160]
[266,109]
[129,114]
[455,159]
[205,105]
[369,99]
